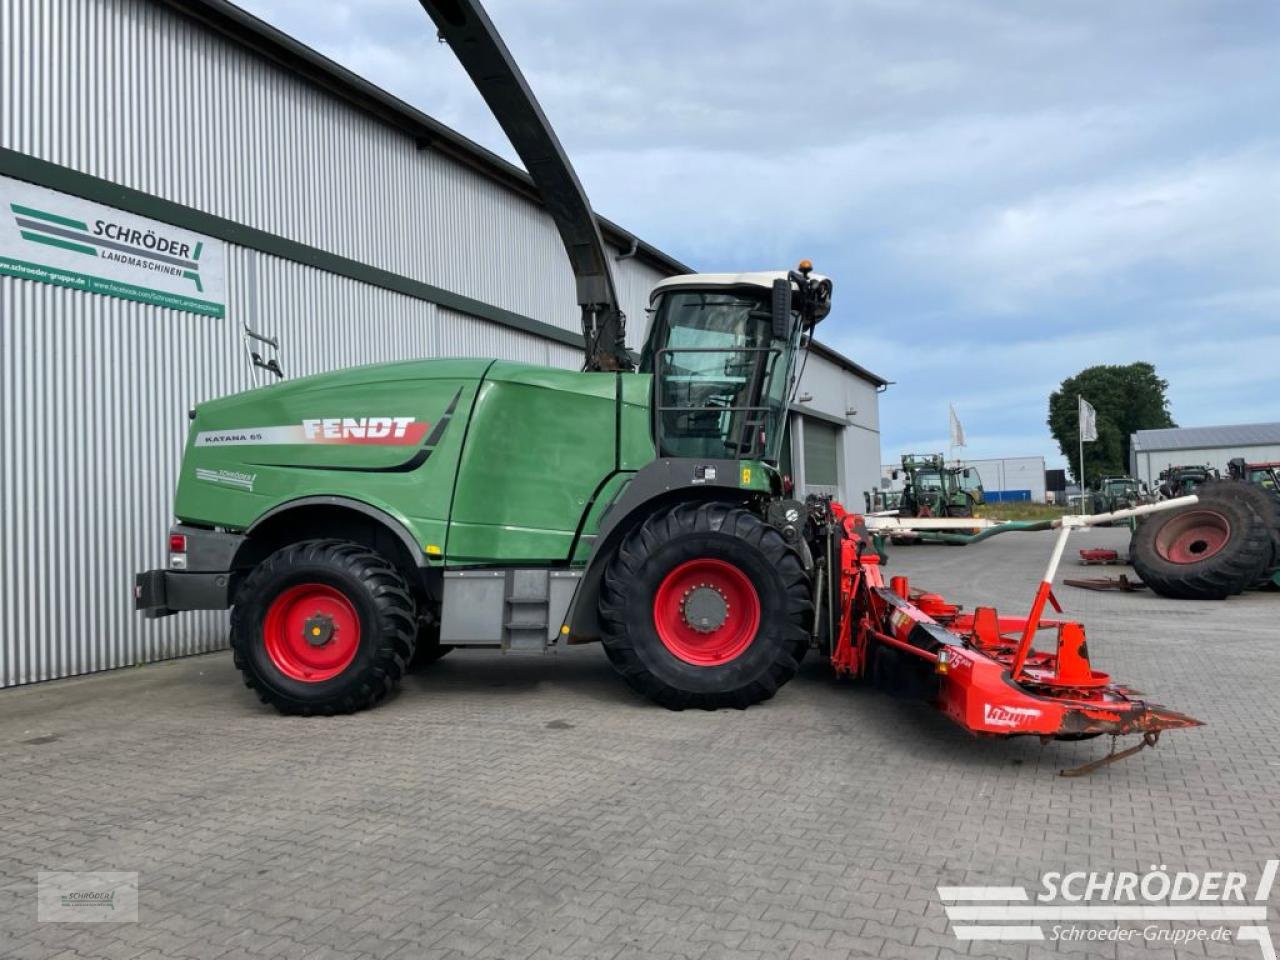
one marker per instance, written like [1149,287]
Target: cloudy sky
[1005,191]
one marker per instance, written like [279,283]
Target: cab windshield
[720,377]
[928,480]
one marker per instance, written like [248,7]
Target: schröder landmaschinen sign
[56,238]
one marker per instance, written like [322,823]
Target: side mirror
[781,309]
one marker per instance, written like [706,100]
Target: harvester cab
[722,350]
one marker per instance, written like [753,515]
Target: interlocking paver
[454,822]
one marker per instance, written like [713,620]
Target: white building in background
[1152,451]
[313,206]
[1004,478]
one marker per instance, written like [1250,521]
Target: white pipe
[880,522]
[1056,558]
[1141,511]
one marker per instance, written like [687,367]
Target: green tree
[1127,398]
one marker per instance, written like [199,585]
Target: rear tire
[1207,551]
[705,606]
[323,627]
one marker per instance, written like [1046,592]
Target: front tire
[323,627]
[705,606]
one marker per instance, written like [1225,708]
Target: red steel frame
[986,672]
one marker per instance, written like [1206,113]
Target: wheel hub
[1193,536]
[706,612]
[318,630]
[704,608]
[311,632]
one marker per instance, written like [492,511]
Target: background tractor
[1116,493]
[1179,481]
[880,500]
[1264,475]
[932,489]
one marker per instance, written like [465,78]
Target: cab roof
[722,281]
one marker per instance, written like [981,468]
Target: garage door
[821,456]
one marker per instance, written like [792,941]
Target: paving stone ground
[512,807]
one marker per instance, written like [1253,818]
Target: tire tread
[397,625]
[625,569]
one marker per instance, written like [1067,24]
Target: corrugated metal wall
[136,94]
[132,92]
[95,390]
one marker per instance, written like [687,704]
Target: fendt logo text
[357,428]
[394,431]
[1160,907]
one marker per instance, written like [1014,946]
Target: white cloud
[1074,242]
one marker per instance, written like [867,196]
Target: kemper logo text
[998,716]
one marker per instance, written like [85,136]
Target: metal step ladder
[525,623]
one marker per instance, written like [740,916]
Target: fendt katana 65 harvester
[354,518]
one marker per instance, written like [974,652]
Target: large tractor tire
[323,627]
[1208,551]
[705,606]
[1264,504]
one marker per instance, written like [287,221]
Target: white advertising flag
[957,431]
[1088,421]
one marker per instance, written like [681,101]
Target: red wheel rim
[1193,536]
[311,632]
[706,612]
